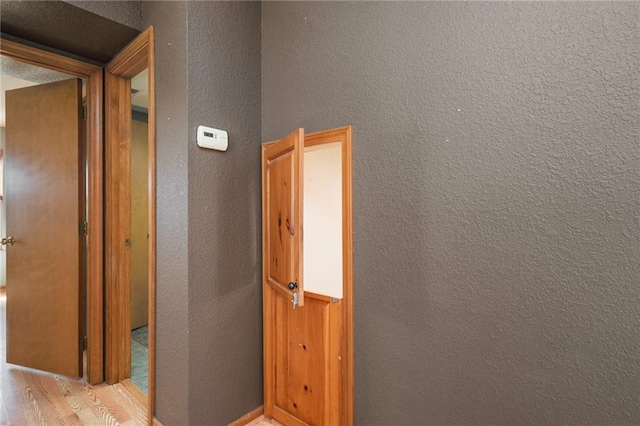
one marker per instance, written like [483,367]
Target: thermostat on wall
[211,138]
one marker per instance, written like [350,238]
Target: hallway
[31,397]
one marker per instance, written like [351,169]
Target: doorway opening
[308,282]
[140,230]
[130,218]
[108,308]
[44,177]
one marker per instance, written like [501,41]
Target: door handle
[9,241]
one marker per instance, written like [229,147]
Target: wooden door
[282,208]
[44,209]
[306,348]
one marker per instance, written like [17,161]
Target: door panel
[282,197]
[44,211]
[305,345]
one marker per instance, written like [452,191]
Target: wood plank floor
[263,421]
[31,397]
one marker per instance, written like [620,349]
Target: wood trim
[135,57]
[267,311]
[116,179]
[344,136]
[347,311]
[285,418]
[124,205]
[339,134]
[95,237]
[151,393]
[46,59]
[247,418]
[133,389]
[93,75]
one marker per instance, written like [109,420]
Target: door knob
[9,241]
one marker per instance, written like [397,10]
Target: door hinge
[84,228]
[82,112]
[296,300]
[83,343]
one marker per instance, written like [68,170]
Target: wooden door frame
[135,57]
[94,148]
[344,136]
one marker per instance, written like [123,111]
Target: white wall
[323,220]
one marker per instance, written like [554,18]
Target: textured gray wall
[169,19]
[496,200]
[67,29]
[225,296]
[209,349]
[127,12]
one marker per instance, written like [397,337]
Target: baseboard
[247,418]
[133,390]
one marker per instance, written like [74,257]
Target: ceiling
[15,75]
[64,27]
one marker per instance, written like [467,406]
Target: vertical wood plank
[282,350]
[267,303]
[335,373]
[152,224]
[114,242]
[269,342]
[134,58]
[124,202]
[347,343]
[95,235]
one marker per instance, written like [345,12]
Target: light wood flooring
[31,397]
[263,421]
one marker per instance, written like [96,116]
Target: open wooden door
[282,208]
[307,348]
[45,207]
